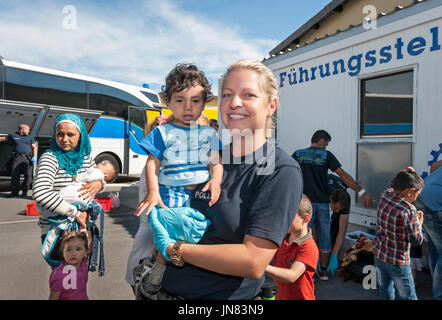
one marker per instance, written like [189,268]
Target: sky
[140,41]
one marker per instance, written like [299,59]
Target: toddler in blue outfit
[182,154]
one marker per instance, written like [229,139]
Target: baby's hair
[305,207]
[114,170]
[82,235]
[407,178]
[343,198]
[184,76]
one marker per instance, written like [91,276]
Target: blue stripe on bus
[117,129]
[136,147]
[388,128]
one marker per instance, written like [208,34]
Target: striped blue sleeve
[154,143]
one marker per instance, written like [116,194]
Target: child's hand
[420,215]
[82,220]
[215,190]
[151,199]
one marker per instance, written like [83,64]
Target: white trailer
[378,92]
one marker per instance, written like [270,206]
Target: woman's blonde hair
[268,81]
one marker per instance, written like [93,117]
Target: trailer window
[387,105]
[378,163]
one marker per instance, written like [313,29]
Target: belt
[21,154]
[163,295]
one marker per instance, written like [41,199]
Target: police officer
[24,156]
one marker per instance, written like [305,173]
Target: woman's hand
[215,190]
[184,223]
[173,224]
[90,189]
[151,199]
[161,238]
[332,263]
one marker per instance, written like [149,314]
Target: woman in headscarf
[68,155]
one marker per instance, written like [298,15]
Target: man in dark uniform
[315,161]
[24,156]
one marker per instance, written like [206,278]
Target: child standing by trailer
[398,227]
[182,153]
[69,280]
[340,204]
[294,263]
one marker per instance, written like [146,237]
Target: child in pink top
[69,280]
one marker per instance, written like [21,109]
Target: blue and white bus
[35,95]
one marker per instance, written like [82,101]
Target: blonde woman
[255,209]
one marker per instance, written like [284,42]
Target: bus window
[138,122]
[38,87]
[152,97]
[1,81]
[112,101]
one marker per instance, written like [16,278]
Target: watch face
[177,262]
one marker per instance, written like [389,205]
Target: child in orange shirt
[294,264]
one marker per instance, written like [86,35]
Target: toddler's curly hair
[184,76]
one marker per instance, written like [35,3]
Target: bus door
[136,155]
[12,114]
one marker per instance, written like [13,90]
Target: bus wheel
[108,157]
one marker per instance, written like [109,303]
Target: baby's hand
[151,199]
[215,190]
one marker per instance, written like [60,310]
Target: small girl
[69,280]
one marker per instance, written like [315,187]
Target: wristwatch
[175,256]
[103,184]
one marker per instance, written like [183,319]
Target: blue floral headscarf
[71,160]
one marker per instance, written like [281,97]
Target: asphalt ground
[24,274]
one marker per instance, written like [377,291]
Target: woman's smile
[237,116]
